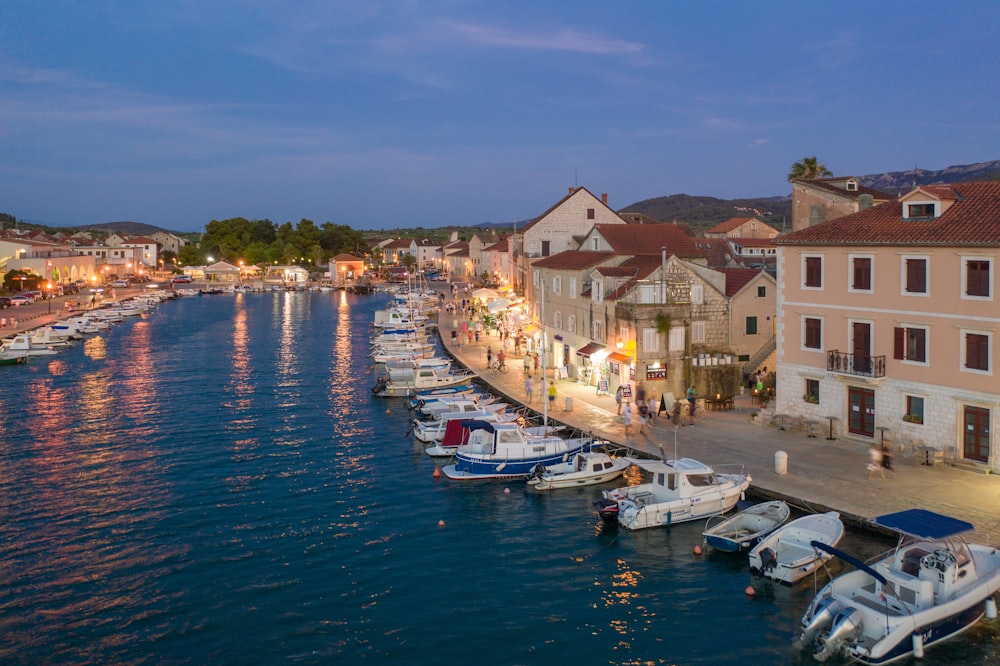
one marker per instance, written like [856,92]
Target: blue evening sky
[406,113]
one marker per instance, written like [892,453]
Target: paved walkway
[821,474]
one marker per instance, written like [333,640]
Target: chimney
[865,201]
[604,198]
[571,190]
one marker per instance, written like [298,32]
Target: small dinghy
[586,468]
[746,528]
[787,555]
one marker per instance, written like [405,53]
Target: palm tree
[810,168]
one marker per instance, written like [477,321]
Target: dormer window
[922,210]
[852,186]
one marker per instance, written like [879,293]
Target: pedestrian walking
[489,357]
[536,363]
[618,398]
[651,409]
[627,417]
[552,396]
[692,403]
[529,387]
[469,334]
[643,410]
[875,461]
[887,460]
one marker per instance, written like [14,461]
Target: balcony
[856,365]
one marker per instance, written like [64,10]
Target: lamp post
[48,286]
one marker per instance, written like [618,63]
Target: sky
[403,113]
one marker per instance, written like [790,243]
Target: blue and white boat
[421,398]
[508,451]
[934,585]
[746,528]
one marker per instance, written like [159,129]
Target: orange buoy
[750,591]
[387,411]
[441,523]
[506,491]
[437,472]
[697,549]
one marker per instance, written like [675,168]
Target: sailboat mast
[545,374]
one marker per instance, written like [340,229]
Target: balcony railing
[854,364]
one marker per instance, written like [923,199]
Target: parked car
[21,299]
[4,303]
[34,294]
[120,284]
[181,279]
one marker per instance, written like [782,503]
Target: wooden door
[976,434]
[861,411]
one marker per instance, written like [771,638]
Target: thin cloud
[567,39]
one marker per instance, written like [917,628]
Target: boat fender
[918,645]
[991,608]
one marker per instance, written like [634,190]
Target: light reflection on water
[215,484]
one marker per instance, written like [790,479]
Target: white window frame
[571,323]
[850,273]
[927,275]
[961,357]
[927,344]
[598,331]
[966,258]
[802,333]
[697,293]
[557,284]
[572,287]
[650,340]
[534,278]
[675,340]
[557,320]
[822,271]
[597,290]
[697,332]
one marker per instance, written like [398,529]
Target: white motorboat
[746,528]
[20,344]
[586,468]
[435,408]
[426,396]
[788,555]
[423,378]
[456,431]
[931,587]
[508,451]
[679,491]
[432,431]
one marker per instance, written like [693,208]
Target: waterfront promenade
[821,474]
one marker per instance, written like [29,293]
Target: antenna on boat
[675,442]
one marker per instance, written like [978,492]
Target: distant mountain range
[705,212]
[699,212]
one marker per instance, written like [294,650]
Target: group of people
[880,460]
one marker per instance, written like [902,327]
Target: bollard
[569,403]
[780,462]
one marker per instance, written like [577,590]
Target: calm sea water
[214,484]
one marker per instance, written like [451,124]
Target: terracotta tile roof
[647,239]
[973,219]
[729,225]
[635,269]
[344,257]
[573,260]
[499,246]
[737,278]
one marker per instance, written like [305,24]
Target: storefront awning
[589,349]
[618,358]
[530,329]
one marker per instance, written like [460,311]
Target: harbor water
[213,483]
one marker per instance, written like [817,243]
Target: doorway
[976,434]
[861,411]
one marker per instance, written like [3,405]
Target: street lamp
[48,286]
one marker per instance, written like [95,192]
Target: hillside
[705,212]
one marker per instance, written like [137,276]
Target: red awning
[589,349]
[618,358]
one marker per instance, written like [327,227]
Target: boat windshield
[701,480]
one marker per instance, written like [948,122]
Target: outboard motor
[768,560]
[846,626]
[607,509]
[822,617]
[537,471]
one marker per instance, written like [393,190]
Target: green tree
[190,255]
[809,168]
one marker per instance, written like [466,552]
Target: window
[557,284]
[812,333]
[751,326]
[697,293]
[762,291]
[813,272]
[977,351]
[571,323]
[572,287]
[597,291]
[534,278]
[914,409]
[650,340]
[597,244]
[812,391]
[557,319]
[697,331]
[545,248]
[861,273]
[920,210]
[910,344]
[590,214]
[676,339]
[598,333]
[623,332]
[977,278]
[915,275]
